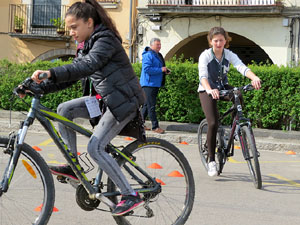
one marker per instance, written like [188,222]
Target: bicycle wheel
[30,197]
[251,155]
[166,163]
[202,145]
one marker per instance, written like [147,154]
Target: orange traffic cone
[39,208]
[291,152]
[160,181]
[155,166]
[175,173]
[36,148]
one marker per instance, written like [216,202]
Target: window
[44,11]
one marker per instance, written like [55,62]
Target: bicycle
[165,179]
[241,130]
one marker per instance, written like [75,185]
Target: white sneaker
[212,169]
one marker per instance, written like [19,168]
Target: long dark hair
[92,9]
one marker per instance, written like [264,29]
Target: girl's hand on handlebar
[36,74]
[256,83]
[21,94]
[214,93]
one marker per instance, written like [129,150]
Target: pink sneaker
[127,204]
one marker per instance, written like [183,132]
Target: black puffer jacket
[105,61]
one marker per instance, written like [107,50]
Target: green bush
[13,74]
[275,106]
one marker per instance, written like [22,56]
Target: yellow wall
[4,18]
[20,50]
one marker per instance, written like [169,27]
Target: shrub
[275,106]
[13,74]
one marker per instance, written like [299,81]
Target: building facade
[32,30]
[261,30]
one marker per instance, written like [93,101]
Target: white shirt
[216,71]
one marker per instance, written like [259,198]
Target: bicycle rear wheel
[251,155]
[30,197]
[203,150]
[166,163]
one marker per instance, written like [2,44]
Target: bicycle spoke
[177,189]
[27,200]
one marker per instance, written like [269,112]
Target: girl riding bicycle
[213,67]
[110,75]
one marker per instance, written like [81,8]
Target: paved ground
[229,199]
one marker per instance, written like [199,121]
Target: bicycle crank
[84,201]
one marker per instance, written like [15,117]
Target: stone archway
[56,54]
[246,49]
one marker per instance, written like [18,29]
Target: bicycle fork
[243,142]
[16,142]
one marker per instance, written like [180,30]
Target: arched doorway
[246,49]
[63,54]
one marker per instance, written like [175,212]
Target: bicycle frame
[45,116]
[238,121]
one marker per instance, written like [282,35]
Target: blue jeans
[149,106]
[107,128]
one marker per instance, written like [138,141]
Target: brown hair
[92,9]
[215,31]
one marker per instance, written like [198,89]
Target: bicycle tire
[251,155]
[175,202]
[30,197]
[202,146]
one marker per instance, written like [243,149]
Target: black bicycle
[156,169]
[240,130]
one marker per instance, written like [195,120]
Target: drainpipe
[130,31]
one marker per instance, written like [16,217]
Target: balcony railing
[211,2]
[36,21]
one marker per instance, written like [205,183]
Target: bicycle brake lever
[248,87]
[35,88]
[223,92]
[19,90]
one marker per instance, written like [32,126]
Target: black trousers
[150,106]
[210,109]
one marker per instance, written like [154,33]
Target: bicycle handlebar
[28,86]
[245,88]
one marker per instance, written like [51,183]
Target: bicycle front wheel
[166,163]
[30,197]
[251,155]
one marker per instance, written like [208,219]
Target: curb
[271,140]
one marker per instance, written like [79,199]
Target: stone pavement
[272,140]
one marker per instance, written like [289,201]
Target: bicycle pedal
[61,179]
[230,154]
[129,213]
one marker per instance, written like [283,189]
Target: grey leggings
[107,128]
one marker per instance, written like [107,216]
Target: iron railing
[212,2]
[37,19]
